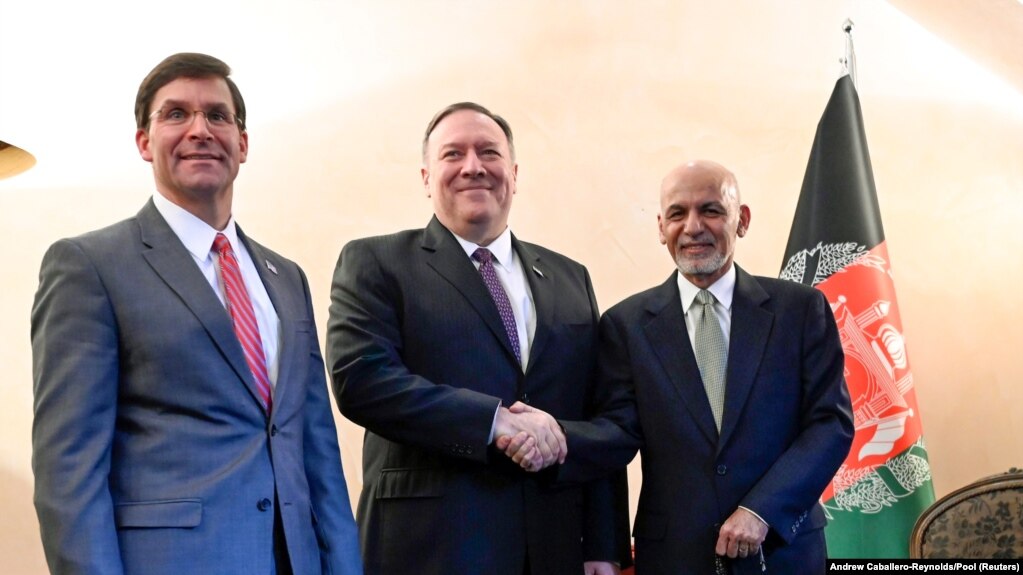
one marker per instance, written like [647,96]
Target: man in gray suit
[433,334]
[182,421]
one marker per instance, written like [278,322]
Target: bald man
[731,386]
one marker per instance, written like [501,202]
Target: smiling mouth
[200,157]
[696,249]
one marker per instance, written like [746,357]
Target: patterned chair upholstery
[983,520]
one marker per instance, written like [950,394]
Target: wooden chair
[983,520]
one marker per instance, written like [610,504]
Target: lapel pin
[271,267]
[538,272]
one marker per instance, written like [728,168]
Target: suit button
[273,430]
[722,469]
[524,398]
[263,504]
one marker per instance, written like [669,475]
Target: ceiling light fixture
[14,160]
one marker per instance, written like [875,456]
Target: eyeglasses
[217,119]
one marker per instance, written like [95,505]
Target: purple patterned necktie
[486,260]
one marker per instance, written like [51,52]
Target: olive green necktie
[711,352]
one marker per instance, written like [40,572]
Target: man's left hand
[600,568]
[741,535]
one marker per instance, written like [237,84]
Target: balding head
[701,173]
[701,217]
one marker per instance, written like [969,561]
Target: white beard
[703,266]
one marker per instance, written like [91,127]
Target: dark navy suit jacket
[786,427]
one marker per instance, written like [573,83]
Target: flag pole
[849,62]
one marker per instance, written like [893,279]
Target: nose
[200,129]
[472,166]
[693,223]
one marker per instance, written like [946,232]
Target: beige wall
[604,97]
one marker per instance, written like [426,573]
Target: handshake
[530,437]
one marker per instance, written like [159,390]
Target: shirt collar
[722,289]
[501,247]
[195,234]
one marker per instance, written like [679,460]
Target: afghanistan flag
[837,245]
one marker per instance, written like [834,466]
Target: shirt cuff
[754,514]
[493,426]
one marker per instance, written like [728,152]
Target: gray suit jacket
[151,451]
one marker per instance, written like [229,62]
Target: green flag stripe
[873,518]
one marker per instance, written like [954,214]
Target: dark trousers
[282,563]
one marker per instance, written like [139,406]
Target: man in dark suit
[732,387]
[429,341]
[182,418]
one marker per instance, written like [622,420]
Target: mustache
[696,242]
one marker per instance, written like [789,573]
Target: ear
[142,142]
[660,231]
[243,146]
[426,179]
[515,178]
[744,219]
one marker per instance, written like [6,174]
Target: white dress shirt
[513,278]
[722,290]
[197,236]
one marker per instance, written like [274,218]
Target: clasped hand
[741,535]
[530,437]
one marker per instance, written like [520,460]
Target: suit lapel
[171,261]
[751,326]
[543,287]
[286,351]
[666,333]
[446,256]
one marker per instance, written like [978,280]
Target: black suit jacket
[786,427]
[419,357]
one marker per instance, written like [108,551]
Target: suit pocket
[184,513]
[409,483]
[581,328]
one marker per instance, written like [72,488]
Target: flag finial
[849,62]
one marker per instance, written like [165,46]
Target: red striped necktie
[243,318]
